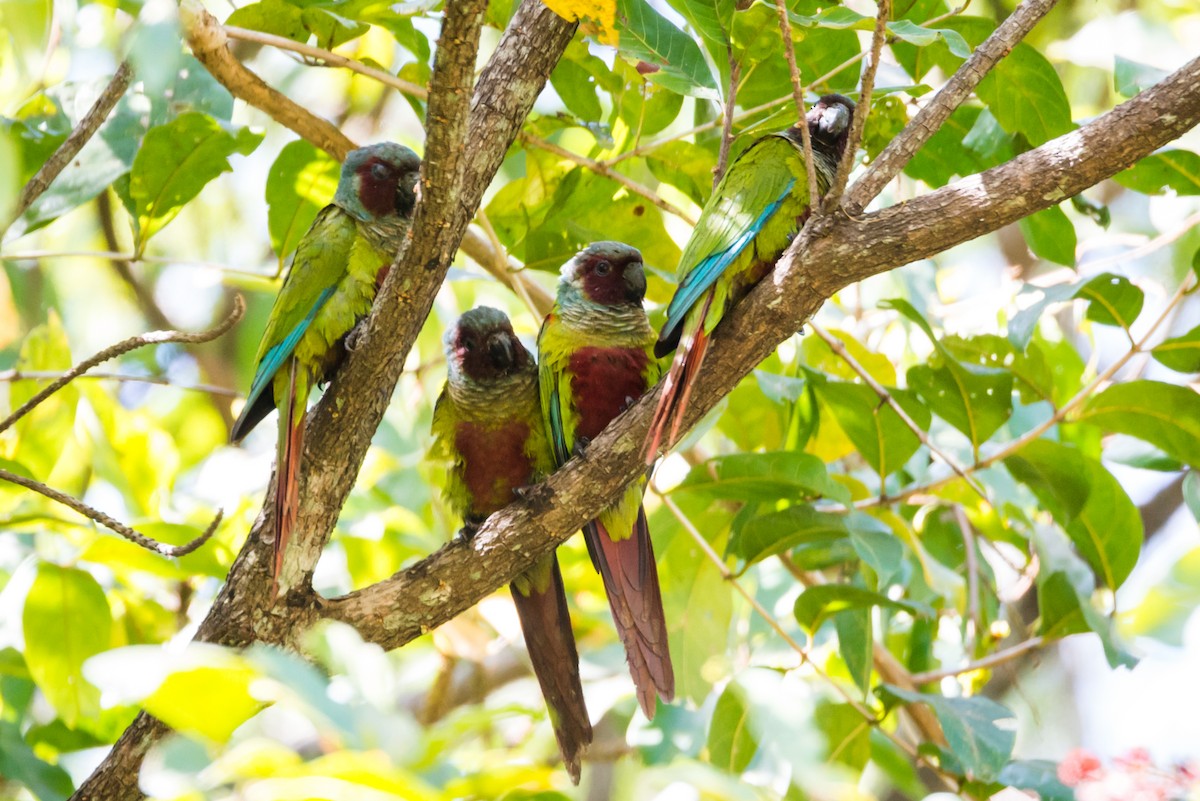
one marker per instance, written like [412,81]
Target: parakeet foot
[581,446]
[355,336]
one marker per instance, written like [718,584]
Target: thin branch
[162,381]
[735,72]
[862,110]
[930,118]
[1059,415]
[123,347]
[1147,247]
[332,59]
[990,661]
[838,348]
[125,531]
[207,39]
[974,617]
[75,141]
[789,51]
[601,168]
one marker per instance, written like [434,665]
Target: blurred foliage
[1055,360]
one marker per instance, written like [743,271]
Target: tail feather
[547,628]
[630,577]
[677,387]
[287,474]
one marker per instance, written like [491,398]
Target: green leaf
[877,547]
[66,620]
[884,440]
[647,36]
[1130,77]
[1177,171]
[1191,493]
[1037,775]
[946,155]
[712,19]
[1114,300]
[1033,376]
[779,475]
[979,732]
[301,182]
[1050,234]
[176,161]
[975,400]
[19,763]
[1181,353]
[685,166]
[817,603]
[331,29]
[208,701]
[577,88]
[920,36]
[42,435]
[1087,502]
[854,631]
[731,742]
[276,17]
[1025,94]
[776,532]
[847,734]
[1165,415]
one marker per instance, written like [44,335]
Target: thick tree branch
[930,118]
[816,266]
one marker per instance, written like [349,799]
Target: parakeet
[747,224]
[488,424]
[595,359]
[338,266]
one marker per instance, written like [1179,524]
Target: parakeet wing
[317,268]
[753,188]
[550,382]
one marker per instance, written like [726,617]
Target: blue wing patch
[556,429]
[274,358]
[706,273]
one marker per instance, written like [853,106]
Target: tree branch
[930,118]
[79,137]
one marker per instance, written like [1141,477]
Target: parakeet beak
[834,121]
[501,351]
[635,282]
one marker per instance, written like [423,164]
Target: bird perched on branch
[488,424]
[747,224]
[595,359]
[339,264]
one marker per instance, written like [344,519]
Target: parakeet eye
[469,345]
[603,268]
[380,171]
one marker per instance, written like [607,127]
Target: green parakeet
[747,224]
[335,273]
[488,424]
[595,354]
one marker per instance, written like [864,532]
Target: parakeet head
[482,347]
[378,181]
[829,123]
[606,273]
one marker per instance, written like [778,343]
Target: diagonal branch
[930,118]
[92,513]
[121,348]
[79,137]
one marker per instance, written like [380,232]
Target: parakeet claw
[466,533]
[355,336]
[581,446]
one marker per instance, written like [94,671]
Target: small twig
[162,381]
[735,72]
[974,618]
[990,661]
[838,348]
[79,137]
[930,118]
[330,58]
[507,270]
[125,346]
[789,51]
[608,172]
[1059,415]
[125,531]
[862,111]
[1147,247]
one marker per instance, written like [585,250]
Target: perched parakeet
[488,424]
[335,273]
[595,359]
[747,224]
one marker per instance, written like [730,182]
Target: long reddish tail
[631,580]
[287,472]
[547,628]
[677,387]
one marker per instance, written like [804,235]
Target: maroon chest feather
[494,463]
[603,380]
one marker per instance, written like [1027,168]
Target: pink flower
[1078,766]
